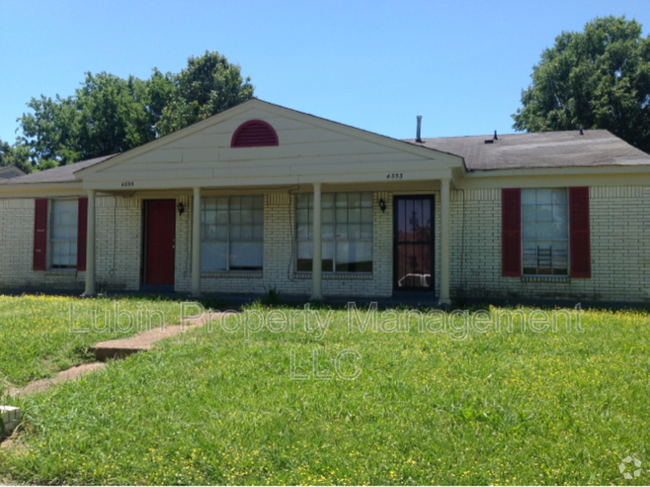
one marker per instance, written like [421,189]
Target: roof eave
[564,170]
[26,190]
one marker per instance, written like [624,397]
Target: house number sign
[128,184]
[395,175]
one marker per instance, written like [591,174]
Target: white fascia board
[558,171]
[428,153]
[266,181]
[348,130]
[564,177]
[41,190]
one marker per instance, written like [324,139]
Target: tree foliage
[209,85]
[15,155]
[599,78]
[108,114]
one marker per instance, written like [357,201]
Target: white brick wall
[620,255]
[619,232]
[119,236]
[118,247]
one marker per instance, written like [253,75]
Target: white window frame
[51,241]
[567,240]
[228,241]
[334,240]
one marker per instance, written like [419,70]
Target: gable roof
[540,150]
[356,150]
[275,110]
[310,149]
[562,149]
[61,174]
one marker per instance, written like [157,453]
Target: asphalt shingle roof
[511,151]
[8,172]
[61,174]
[540,150]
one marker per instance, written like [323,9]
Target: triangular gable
[309,149]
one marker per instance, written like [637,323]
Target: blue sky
[374,65]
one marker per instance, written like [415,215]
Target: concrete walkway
[111,349]
[65,375]
[123,347]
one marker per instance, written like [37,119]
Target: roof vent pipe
[417,132]
[495,135]
[581,131]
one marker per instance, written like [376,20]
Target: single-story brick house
[242,202]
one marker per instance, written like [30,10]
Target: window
[346,220]
[232,231]
[545,231]
[63,234]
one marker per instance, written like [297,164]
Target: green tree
[108,114]
[15,155]
[209,85]
[599,78]
[159,92]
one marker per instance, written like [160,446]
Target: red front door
[160,240]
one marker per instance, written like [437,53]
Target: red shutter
[40,235]
[579,225]
[82,232]
[511,232]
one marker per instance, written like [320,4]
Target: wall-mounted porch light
[181,208]
[382,205]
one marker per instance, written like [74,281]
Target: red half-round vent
[254,133]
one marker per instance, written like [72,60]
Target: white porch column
[444,242]
[196,243]
[90,246]
[317,261]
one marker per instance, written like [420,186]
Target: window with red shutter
[511,232]
[64,219]
[545,232]
[40,235]
[254,133]
[579,232]
[82,232]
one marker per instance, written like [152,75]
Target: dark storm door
[413,242]
[160,240]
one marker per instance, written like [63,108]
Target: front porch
[187,271]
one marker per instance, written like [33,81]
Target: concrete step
[123,347]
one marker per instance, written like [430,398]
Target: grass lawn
[242,406]
[38,337]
